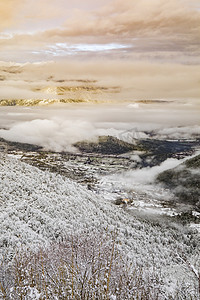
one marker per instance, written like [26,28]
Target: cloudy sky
[153,30]
[115,51]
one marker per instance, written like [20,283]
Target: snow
[195,226]
[147,198]
[34,294]
[38,207]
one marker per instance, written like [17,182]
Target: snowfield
[38,207]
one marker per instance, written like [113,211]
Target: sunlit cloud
[45,30]
[64,49]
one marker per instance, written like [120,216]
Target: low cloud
[52,134]
[148,175]
[184,132]
[142,181]
[58,127]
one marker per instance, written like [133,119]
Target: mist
[58,127]
[56,134]
[147,175]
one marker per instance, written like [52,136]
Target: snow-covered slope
[37,207]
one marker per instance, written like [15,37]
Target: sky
[135,30]
[127,49]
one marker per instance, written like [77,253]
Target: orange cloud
[134,18]
[8,10]
[155,28]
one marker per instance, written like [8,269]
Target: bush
[81,267]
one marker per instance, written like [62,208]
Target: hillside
[105,145]
[38,208]
[184,181]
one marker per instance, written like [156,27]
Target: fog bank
[58,127]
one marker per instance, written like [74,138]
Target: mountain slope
[38,207]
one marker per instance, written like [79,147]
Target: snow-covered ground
[37,207]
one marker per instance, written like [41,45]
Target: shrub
[88,266]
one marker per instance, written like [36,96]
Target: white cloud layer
[53,134]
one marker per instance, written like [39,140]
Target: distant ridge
[34,102]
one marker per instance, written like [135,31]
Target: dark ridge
[105,145]
[157,151]
[184,181]
[161,147]
[193,162]
[10,146]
